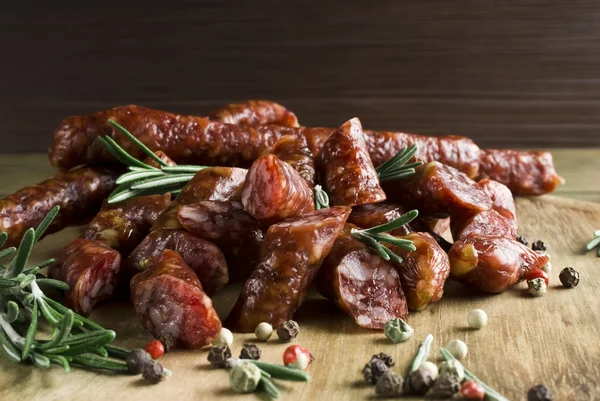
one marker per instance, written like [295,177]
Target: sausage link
[171,304]
[79,193]
[291,255]
[91,269]
[295,152]
[255,112]
[162,156]
[361,284]
[368,216]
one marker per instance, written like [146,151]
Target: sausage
[255,112]
[437,190]
[162,156]
[141,210]
[203,257]
[228,226]
[361,284]
[423,272]
[489,222]
[274,191]
[347,171]
[171,303]
[79,193]
[502,199]
[91,269]
[368,216]
[524,173]
[291,255]
[434,226]
[492,264]
[295,152]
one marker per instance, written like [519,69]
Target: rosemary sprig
[321,198]
[374,237]
[422,354]
[396,167]
[594,243]
[141,178]
[23,303]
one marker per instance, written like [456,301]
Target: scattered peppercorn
[137,360]
[539,245]
[536,287]
[539,393]
[374,369]
[397,330]
[446,385]
[569,277]
[250,351]
[387,359]
[167,341]
[155,348]
[298,357]
[477,319]
[453,367]
[458,349]
[153,372]
[431,368]
[225,337]
[263,331]
[418,382]
[218,356]
[522,240]
[244,377]
[471,390]
[288,331]
[389,385]
[532,275]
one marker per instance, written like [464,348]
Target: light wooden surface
[551,340]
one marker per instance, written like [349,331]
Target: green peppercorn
[244,377]
[569,277]
[389,385]
[398,330]
[539,393]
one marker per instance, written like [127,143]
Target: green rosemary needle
[422,353]
[594,243]
[396,167]
[375,237]
[321,198]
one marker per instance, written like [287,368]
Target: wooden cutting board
[551,340]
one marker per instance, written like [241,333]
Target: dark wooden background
[507,73]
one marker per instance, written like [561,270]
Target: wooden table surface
[551,340]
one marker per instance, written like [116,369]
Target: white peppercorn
[537,287]
[244,377]
[225,338]
[263,331]
[477,319]
[453,367]
[397,330]
[430,368]
[458,349]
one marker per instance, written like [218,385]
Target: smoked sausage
[295,152]
[255,112]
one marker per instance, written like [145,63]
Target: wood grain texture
[511,73]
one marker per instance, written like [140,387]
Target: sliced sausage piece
[423,272]
[295,152]
[229,227]
[524,173]
[492,264]
[361,284]
[291,255]
[489,222]
[115,230]
[347,171]
[274,191]
[79,193]
[203,257]
[375,214]
[502,199]
[141,210]
[91,269]
[255,112]
[171,304]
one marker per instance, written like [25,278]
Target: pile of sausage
[252,217]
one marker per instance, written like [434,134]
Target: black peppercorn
[288,331]
[387,359]
[389,385]
[569,277]
[137,360]
[373,370]
[539,393]
[250,351]
[167,341]
[153,372]
[522,240]
[418,382]
[539,245]
[218,356]
[445,386]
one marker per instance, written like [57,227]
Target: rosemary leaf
[321,198]
[592,244]
[89,337]
[61,308]
[399,242]
[39,266]
[95,362]
[397,175]
[371,242]
[64,329]
[117,352]
[56,350]
[123,195]
[60,360]
[47,312]
[101,352]
[138,175]
[8,283]
[117,155]
[30,332]
[125,157]
[12,311]
[3,238]
[39,360]
[269,387]
[400,158]
[139,144]
[183,168]
[43,226]
[23,252]
[393,257]
[59,285]
[7,252]
[9,349]
[163,181]
[394,224]
[422,354]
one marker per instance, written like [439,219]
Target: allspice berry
[219,355]
[373,370]
[250,351]
[389,385]
[288,331]
[387,359]
[569,277]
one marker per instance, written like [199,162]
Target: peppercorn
[167,341]
[522,240]
[288,331]
[446,385]
[374,369]
[569,277]
[458,349]
[225,337]
[471,390]
[397,330]
[154,372]
[244,377]
[389,385]
[418,382]
[250,351]
[477,319]
[453,367]
[430,368]
[539,245]
[263,331]
[387,359]
[137,360]
[218,356]
[539,393]
[537,287]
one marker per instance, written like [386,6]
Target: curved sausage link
[348,173]
[361,284]
[79,193]
[492,264]
[291,255]
[502,198]
[274,191]
[229,227]
[171,304]
[368,216]
[295,152]
[162,156]
[91,269]
[255,112]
